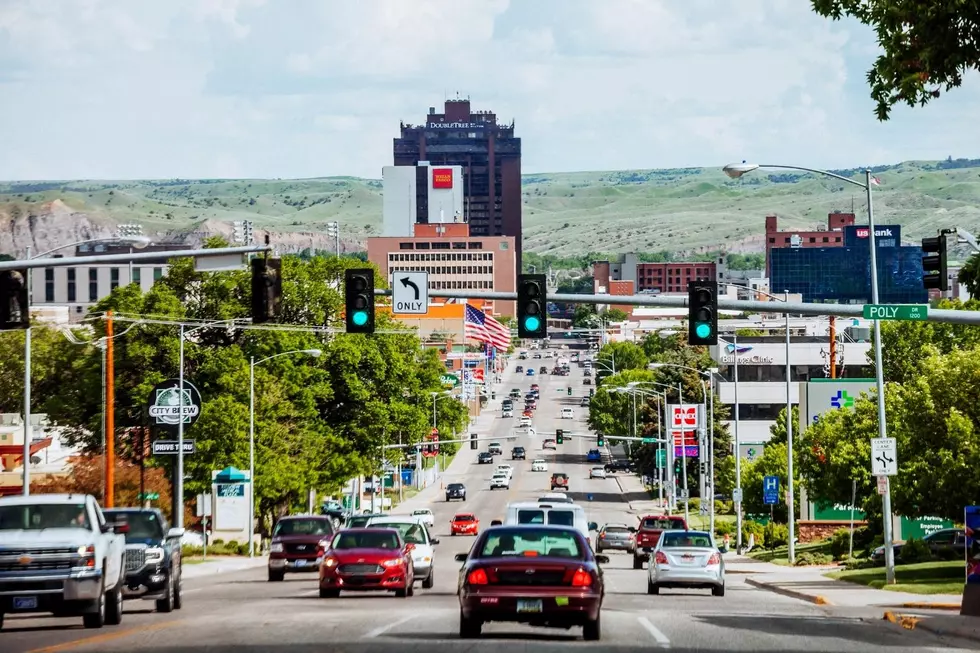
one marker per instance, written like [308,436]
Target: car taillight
[581,578]
[715,559]
[477,577]
[602,536]
[661,558]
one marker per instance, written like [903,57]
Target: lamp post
[633,389]
[735,171]
[315,353]
[138,242]
[333,230]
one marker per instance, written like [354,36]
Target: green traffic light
[703,330]
[532,323]
[360,318]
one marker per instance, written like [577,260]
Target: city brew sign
[442,177]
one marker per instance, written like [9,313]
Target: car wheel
[402,592]
[114,606]
[718,591]
[652,588]
[178,586]
[327,593]
[96,619]
[637,562]
[411,590]
[430,580]
[469,628]
[276,576]
[453,534]
[592,632]
[166,604]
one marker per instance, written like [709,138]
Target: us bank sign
[741,354]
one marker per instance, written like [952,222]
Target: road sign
[450,380]
[884,457]
[770,490]
[682,493]
[649,441]
[896,312]
[737,495]
[661,456]
[150,496]
[169,447]
[410,292]
[882,485]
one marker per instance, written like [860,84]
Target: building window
[49,284]
[406,245]
[93,284]
[440,245]
[113,278]
[459,245]
[71,284]
[477,245]
[157,274]
[137,277]
[421,245]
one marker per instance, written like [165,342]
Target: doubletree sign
[166,406]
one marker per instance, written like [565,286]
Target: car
[525,421]
[464,523]
[528,413]
[535,387]
[495,449]
[457,490]
[500,481]
[619,466]
[522,356]
[485,458]
[519,369]
[537,356]
[616,536]
[425,515]
[686,559]
[594,456]
[515,393]
[567,413]
[543,369]
[505,469]
[586,381]
[507,412]
[494,587]
[530,371]
[335,511]
[360,521]
[549,444]
[649,532]
[559,481]
[597,472]
[153,556]
[367,559]
[518,453]
[295,544]
[949,541]
[539,465]
[415,532]
[585,403]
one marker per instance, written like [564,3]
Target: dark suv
[153,559]
[485,458]
[455,491]
[295,541]
[518,453]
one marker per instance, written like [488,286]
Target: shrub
[723,508]
[806,559]
[750,527]
[776,535]
[694,505]
[723,528]
[915,551]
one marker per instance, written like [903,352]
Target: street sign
[450,380]
[661,457]
[650,441]
[169,447]
[682,493]
[882,485]
[737,495]
[884,457]
[149,496]
[896,312]
[770,490]
[410,292]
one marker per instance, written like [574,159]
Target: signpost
[884,457]
[770,490]
[896,312]
[410,292]
[169,447]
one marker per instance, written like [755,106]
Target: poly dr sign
[442,178]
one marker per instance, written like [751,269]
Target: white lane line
[662,640]
[315,592]
[381,630]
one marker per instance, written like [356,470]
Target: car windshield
[531,542]
[616,529]
[411,532]
[686,539]
[358,521]
[302,527]
[377,539]
[663,524]
[455,486]
[143,525]
[464,518]
[43,515]
[540,516]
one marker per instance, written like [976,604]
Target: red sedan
[464,524]
[366,559]
[543,576]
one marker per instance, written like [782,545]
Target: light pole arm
[817,171]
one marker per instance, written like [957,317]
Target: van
[551,514]
[507,404]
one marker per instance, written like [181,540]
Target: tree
[620,356]
[928,46]
[585,317]
[615,315]
[773,462]
[970,276]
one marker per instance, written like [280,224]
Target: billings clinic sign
[442,177]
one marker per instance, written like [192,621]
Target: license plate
[25,603]
[529,605]
[687,560]
[300,563]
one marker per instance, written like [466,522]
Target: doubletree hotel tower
[490,157]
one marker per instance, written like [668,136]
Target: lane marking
[381,630]
[107,637]
[662,640]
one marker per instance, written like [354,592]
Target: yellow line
[106,637]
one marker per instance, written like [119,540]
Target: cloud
[211,88]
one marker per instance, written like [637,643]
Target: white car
[425,516]
[686,559]
[504,469]
[539,465]
[597,472]
[413,530]
[549,444]
[525,421]
[501,481]
[567,413]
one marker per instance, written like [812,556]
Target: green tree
[927,47]
[620,356]
[585,317]
[970,276]
[615,315]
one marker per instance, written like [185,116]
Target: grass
[680,210]
[780,555]
[703,522]
[922,578]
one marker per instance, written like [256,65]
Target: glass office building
[843,274]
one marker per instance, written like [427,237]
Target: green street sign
[450,380]
[150,496]
[896,312]
[649,441]
[661,457]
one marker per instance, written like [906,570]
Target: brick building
[833,236]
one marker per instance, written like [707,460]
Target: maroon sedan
[539,575]
[367,559]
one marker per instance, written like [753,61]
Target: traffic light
[569,391]
[532,316]
[559,436]
[266,289]
[702,320]
[14,310]
[678,466]
[600,441]
[359,300]
[934,272]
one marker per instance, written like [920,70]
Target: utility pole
[110,418]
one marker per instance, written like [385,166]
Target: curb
[924,605]
[793,594]
[907,622]
[219,566]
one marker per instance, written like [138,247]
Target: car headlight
[154,554]
[276,547]
[330,562]
[394,562]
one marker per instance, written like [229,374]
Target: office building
[421,194]
[454,258]
[658,278]
[798,239]
[489,155]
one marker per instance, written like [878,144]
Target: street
[243,612]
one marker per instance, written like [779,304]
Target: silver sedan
[686,559]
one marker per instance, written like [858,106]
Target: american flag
[875,181]
[483,328]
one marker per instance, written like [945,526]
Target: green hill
[680,210]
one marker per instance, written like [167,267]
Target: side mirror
[119,528]
[461,557]
[175,533]
[632,529]
[409,547]
[593,526]
[602,559]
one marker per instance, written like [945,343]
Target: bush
[840,542]
[776,535]
[694,505]
[806,559]
[915,551]
[723,508]
[750,527]
[723,528]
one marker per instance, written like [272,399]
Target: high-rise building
[490,157]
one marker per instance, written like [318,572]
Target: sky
[135,89]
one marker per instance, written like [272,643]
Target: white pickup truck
[59,555]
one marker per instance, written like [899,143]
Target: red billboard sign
[683,417]
[442,177]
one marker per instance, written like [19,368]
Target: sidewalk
[636,494]
[222,565]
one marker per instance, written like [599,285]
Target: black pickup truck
[153,558]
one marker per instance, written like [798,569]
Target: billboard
[442,177]
[823,395]
[888,235]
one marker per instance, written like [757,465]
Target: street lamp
[315,353]
[736,170]
[137,241]
[333,230]
[662,444]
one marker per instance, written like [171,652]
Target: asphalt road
[243,613]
